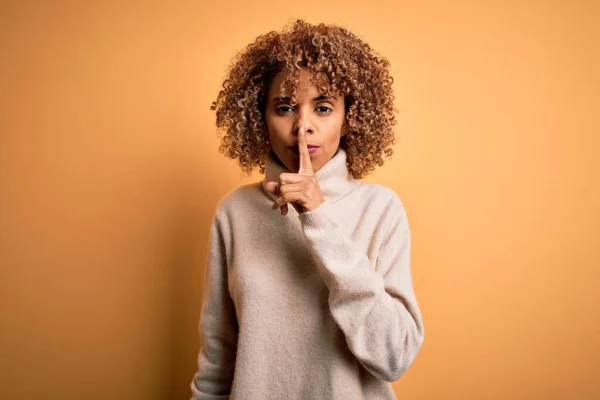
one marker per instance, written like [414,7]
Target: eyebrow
[279,100]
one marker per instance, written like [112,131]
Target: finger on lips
[305,164]
[289,188]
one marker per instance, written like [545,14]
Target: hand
[301,190]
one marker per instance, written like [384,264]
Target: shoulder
[381,196]
[239,201]
[383,204]
[239,196]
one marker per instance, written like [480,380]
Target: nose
[303,121]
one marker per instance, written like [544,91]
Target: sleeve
[376,307]
[218,326]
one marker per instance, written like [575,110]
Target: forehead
[305,83]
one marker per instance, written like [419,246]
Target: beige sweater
[317,305]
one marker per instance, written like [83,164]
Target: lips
[294,148]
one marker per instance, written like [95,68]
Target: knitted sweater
[317,305]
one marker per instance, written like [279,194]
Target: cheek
[269,125]
[274,135]
[334,129]
[277,128]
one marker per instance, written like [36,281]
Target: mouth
[312,148]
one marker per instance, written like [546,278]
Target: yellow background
[110,174]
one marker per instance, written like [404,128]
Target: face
[322,116]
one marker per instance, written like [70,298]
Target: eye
[284,109]
[324,109]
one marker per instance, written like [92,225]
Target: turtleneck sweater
[312,305]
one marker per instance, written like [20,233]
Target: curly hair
[340,63]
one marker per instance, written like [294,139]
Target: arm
[218,326]
[375,308]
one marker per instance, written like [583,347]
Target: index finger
[305,163]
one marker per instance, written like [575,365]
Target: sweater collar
[334,178]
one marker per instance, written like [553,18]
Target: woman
[313,301]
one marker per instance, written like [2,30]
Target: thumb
[272,187]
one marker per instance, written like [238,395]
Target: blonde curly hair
[340,62]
